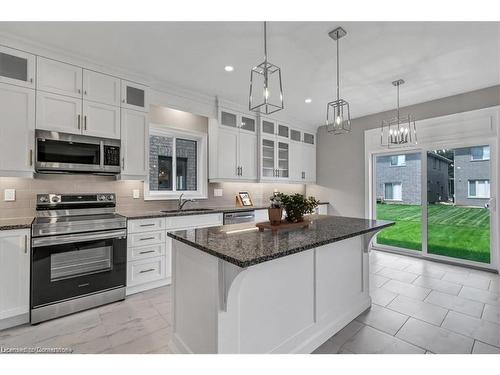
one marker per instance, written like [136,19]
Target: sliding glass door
[399,199]
[440,201]
[458,200]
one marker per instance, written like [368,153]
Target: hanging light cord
[265,41]
[338,74]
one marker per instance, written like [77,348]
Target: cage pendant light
[266,89]
[338,115]
[399,131]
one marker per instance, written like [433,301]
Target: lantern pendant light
[399,131]
[338,115]
[266,89]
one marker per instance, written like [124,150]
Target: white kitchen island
[238,290]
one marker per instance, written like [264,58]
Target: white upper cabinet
[297,162]
[247,156]
[14,277]
[101,120]
[134,136]
[17,133]
[58,113]
[59,78]
[101,88]
[17,67]
[227,156]
[309,163]
[134,96]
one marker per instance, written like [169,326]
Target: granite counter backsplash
[244,246]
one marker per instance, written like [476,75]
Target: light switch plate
[218,192]
[9,195]
[136,193]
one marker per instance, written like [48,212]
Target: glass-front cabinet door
[268,150]
[283,160]
[247,123]
[268,127]
[17,67]
[135,96]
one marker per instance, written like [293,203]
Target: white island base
[292,304]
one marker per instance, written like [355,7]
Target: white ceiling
[435,59]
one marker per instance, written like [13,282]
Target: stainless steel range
[79,254]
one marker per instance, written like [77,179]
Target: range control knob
[110,197]
[56,199]
[44,199]
[101,197]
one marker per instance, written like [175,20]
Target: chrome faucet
[182,202]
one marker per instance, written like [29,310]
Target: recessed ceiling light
[308,100]
[228,68]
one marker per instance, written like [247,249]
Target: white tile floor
[421,306]
[418,307]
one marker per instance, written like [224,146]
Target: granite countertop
[244,246]
[16,223]
[134,215]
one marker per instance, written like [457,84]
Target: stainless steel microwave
[72,153]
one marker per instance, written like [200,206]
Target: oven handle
[70,238]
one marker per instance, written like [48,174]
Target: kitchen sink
[188,210]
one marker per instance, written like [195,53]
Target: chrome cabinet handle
[146,238]
[148,270]
[85,92]
[31,80]
[79,91]
[79,121]
[30,157]
[25,243]
[85,122]
[123,163]
[147,252]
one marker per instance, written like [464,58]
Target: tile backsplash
[27,189]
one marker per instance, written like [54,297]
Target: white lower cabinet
[14,277]
[149,249]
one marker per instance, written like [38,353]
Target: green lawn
[458,232]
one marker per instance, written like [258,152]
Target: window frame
[392,187]
[201,167]
[476,184]
[483,158]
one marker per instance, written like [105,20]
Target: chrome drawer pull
[144,271]
[146,252]
[147,225]
[146,238]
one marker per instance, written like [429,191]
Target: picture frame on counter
[243,199]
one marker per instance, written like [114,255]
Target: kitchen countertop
[134,215]
[244,246]
[16,223]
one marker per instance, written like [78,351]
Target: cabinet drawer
[146,225]
[193,221]
[145,271]
[146,239]
[143,252]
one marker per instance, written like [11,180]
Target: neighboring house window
[392,191]
[480,153]
[479,188]
[434,163]
[176,164]
[398,160]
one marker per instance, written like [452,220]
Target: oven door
[68,266]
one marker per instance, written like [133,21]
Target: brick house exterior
[472,169]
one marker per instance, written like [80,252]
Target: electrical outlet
[218,192]
[9,195]
[136,193]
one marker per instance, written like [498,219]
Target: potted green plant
[297,205]
[275,210]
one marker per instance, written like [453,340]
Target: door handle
[78,122]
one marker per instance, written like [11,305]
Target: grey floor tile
[383,319]
[134,329]
[425,268]
[381,296]
[480,295]
[145,344]
[439,285]
[436,339]
[482,348]
[418,309]
[404,276]
[455,303]
[478,329]
[471,279]
[408,290]
[371,341]
[495,285]
[491,314]
[334,344]
[376,281]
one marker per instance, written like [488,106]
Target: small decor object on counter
[297,205]
[282,226]
[243,199]
[275,211]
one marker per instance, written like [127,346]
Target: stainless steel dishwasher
[239,217]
